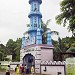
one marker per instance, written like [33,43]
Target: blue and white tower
[35,19]
[33,51]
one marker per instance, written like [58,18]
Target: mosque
[33,51]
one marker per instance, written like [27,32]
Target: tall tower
[35,19]
[33,51]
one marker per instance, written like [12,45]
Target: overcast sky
[14,17]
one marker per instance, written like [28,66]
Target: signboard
[29,50]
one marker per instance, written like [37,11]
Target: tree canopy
[67,15]
[13,48]
[45,28]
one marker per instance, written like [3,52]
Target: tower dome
[30,1]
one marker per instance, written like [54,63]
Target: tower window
[38,26]
[35,17]
[35,25]
[35,7]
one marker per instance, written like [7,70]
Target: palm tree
[45,29]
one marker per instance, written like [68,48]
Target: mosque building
[33,51]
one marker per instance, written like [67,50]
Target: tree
[63,45]
[14,48]
[67,14]
[3,51]
[58,48]
[44,27]
[72,49]
[1,56]
[18,47]
[11,45]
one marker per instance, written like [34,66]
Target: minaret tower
[35,19]
[33,51]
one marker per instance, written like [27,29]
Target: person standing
[32,70]
[22,69]
[8,70]
[17,71]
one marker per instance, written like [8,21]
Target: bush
[2,69]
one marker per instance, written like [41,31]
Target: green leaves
[14,48]
[3,52]
[44,27]
[67,14]
[72,49]
[63,45]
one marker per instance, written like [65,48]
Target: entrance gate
[29,61]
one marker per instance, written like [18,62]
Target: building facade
[33,51]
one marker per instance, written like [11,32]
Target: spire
[30,1]
[49,40]
[38,37]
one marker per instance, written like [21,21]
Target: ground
[3,73]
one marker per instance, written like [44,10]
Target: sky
[14,18]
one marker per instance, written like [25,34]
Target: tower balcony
[34,30]
[35,14]
[30,1]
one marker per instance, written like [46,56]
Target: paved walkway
[3,73]
[13,73]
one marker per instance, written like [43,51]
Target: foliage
[2,69]
[11,48]
[1,55]
[70,66]
[18,47]
[6,59]
[44,27]
[67,14]
[2,52]
[66,44]
[72,49]
[14,48]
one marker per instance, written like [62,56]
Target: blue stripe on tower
[49,40]
[38,37]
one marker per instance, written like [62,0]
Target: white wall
[46,55]
[13,67]
[53,70]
